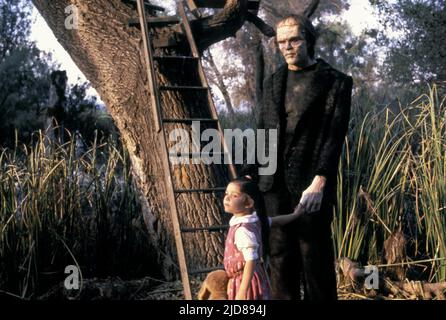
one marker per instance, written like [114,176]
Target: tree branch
[220,82]
[309,11]
[226,23]
[264,28]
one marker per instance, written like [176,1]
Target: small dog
[214,287]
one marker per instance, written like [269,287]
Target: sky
[360,16]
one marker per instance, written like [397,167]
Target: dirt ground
[155,289]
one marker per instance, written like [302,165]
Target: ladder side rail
[214,114]
[165,160]
[149,65]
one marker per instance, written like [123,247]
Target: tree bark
[259,74]
[109,53]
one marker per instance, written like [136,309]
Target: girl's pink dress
[234,264]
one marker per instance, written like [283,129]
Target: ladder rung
[206,270]
[217,4]
[213,228]
[189,120]
[170,58]
[204,190]
[165,42]
[147,5]
[195,154]
[156,21]
[178,88]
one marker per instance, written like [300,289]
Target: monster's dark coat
[323,116]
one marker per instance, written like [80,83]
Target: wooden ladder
[146,24]
[218,4]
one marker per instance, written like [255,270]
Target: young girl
[247,240]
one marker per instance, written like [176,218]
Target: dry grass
[392,181]
[63,206]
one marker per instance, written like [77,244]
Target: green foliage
[414,33]
[24,73]
[241,120]
[352,54]
[85,116]
[25,85]
[15,24]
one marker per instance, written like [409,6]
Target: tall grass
[63,206]
[392,178]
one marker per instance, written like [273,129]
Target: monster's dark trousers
[301,252]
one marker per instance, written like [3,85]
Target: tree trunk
[56,110]
[109,53]
[259,76]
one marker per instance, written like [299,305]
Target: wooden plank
[218,4]
[204,81]
[203,190]
[188,30]
[174,58]
[148,54]
[182,88]
[209,229]
[195,154]
[165,42]
[189,120]
[156,21]
[149,64]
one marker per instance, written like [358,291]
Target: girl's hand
[298,211]
[281,220]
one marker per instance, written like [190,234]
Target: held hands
[311,198]
[299,210]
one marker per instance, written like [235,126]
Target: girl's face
[237,202]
